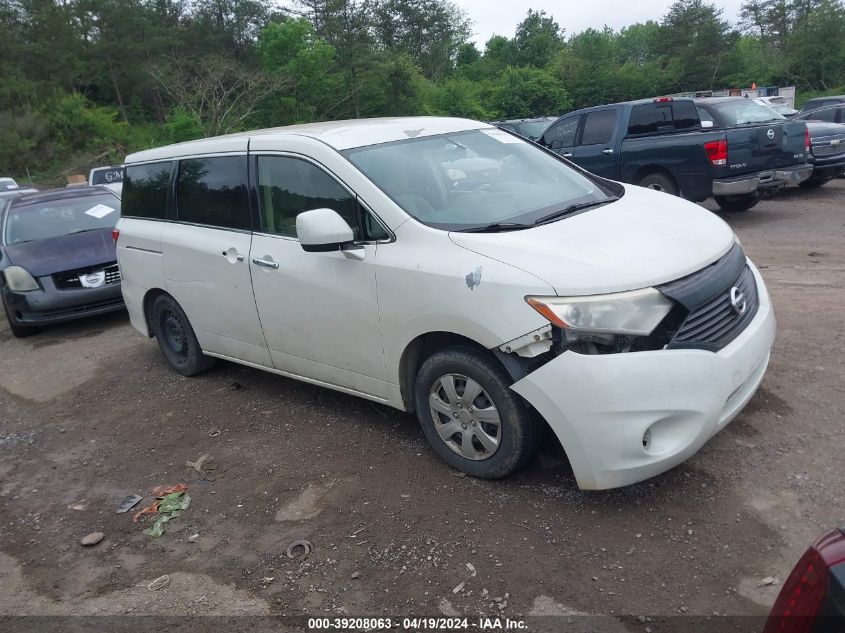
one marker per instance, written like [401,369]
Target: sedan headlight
[19,279]
[634,313]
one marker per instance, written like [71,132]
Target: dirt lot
[90,413]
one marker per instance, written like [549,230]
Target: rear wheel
[658,181]
[735,204]
[18,331]
[470,416]
[176,338]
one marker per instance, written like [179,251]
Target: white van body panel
[647,238]
[141,265]
[207,271]
[320,314]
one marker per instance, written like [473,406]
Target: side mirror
[323,230]
[707,124]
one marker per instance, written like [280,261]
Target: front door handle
[232,255]
[607,151]
[266,263]
[567,155]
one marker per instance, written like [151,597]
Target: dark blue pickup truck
[663,144]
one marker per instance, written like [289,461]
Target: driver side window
[562,134]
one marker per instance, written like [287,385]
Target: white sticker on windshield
[502,136]
[99,211]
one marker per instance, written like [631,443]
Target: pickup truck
[663,144]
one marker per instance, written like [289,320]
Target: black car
[820,102]
[57,257]
[827,152]
[826,114]
[532,129]
[812,600]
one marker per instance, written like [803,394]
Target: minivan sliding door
[206,253]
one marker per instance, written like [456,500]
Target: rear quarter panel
[680,153]
[141,266]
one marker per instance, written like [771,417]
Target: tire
[176,338]
[659,181]
[736,204]
[18,331]
[814,182]
[507,447]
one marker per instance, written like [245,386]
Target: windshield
[7,183]
[743,112]
[54,218]
[533,129]
[469,180]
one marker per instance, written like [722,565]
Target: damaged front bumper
[622,418]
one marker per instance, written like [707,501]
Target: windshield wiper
[572,208]
[496,227]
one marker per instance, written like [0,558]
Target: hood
[646,238]
[68,252]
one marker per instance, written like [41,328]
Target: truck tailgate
[761,147]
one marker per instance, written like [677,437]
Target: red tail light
[717,152]
[663,100]
[807,142]
[115,233]
[804,591]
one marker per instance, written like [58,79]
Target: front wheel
[470,416]
[735,204]
[176,338]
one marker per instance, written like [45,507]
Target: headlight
[19,279]
[635,313]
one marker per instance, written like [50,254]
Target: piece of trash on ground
[214,433]
[129,502]
[91,539]
[170,502]
[80,505]
[306,547]
[193,538]
[159,583]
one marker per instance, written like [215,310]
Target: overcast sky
[500,17]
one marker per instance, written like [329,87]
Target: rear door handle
[607,151]
[567,155]
[266,263]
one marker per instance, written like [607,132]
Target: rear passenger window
[289,186]
[828,115]
[145,190]
[650,118]
[213,191]
[685,115]
[599,127]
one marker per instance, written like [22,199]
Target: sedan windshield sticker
[502,136]
[99,211]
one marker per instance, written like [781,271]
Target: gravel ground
[89,413]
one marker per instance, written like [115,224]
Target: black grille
[69,280]
[716,323]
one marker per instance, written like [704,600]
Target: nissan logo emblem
[738,301]
[771,134]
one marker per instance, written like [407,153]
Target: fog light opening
[647,439]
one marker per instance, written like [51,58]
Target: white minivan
[447,267]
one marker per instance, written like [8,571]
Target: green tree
[528,92]
[538,38]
